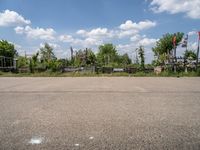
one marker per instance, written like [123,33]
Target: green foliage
[107,54]
[123,60]
[55,65]
[141,56]
[84,58]
[47,53]
[190,54]
[7,49]
[22,62]
[91,57]
[164,46]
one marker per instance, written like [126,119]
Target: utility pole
[197,61]
[174,44]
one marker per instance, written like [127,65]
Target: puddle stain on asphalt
[36,140]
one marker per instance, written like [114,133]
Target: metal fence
[7,63]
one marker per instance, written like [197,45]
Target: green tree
[190,54]
[7,49]
[141,56]
[107,54]
[124,60]
[85,58]
[164,46]
[80,58]
[47,55]
[90,57]
[22,62]
[34,62]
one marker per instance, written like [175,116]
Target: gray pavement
[99,113]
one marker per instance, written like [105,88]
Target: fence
[7,63]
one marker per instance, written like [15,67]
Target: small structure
[8,63]
[158,69]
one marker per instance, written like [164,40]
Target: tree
[47,53]
[90,57]
[107,54]
[7,49]
[124,60]
[80,58]
[22,62]
[165,46]
[141,56]
[85,58]
[190,54]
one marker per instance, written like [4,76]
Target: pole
[197,61]
[175,60]
[186,48]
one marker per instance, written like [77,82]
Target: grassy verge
[89,74]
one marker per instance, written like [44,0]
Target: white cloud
[142,25]
[87,42]
[95,33]
[12,18]
[126,29]
[130,28]
[147,42]
[190,7]
[135,38]
[66,38]
[36,33]
[53,45]
[19,30]
[191,33]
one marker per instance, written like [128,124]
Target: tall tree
[7,49]
[141,56]
[90,57]
[164,46]
[47,53]
[107,54]
[124,60]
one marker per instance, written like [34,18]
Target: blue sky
[89,23]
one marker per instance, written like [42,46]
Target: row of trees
[45,58]
[107,55]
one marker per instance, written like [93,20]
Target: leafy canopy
[165,44]
[7,49]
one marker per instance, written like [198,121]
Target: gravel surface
[99,113]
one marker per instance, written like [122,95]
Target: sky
[28,24]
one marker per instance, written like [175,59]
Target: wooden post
[175,60]
[197,61]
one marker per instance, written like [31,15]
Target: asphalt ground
[95,113]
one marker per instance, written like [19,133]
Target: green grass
[89,74]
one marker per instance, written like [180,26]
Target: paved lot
[99,113]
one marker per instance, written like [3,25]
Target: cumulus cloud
[130,28]
[142,25]
[36,33]
[12,18]
[96,33]
[190,7]
[87,42]
[66,38]
[53,45]
[147,41]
